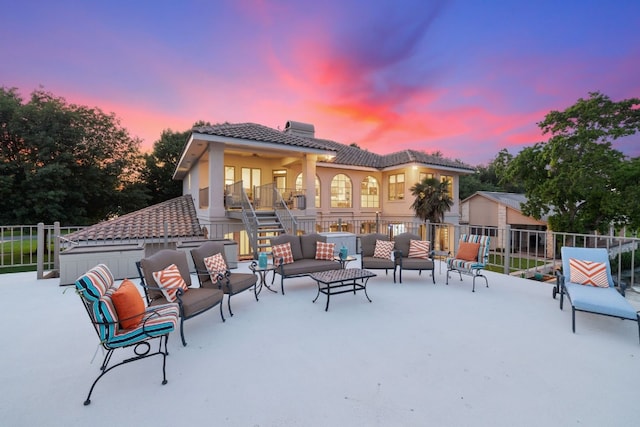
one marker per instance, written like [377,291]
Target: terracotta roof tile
[179,215]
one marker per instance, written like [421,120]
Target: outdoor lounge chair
[232,283]
[368,258]
[471,258]
[406,258]
[96,289]
[192,302]
[589,285]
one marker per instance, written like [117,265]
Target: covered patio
[419,354]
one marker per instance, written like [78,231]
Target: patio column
[216,180]
[309,180]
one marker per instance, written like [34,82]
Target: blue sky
[466,78]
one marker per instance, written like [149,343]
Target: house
[492,212]
[235,170]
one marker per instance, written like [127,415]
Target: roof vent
[300,129]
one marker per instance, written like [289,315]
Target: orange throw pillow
[129,304]
[468,251]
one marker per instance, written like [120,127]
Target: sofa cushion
[588,273]
[306,266]
[170,280]
[383,249]
[468,251]
[419,249]
[308,244]
[129,304]
[294,241]
[283,252]
[325,251]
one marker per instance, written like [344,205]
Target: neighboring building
[491,212]
[325,182]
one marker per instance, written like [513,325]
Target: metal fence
[525,253]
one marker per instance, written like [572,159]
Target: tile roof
[148,223]
[347,155]
[255,132]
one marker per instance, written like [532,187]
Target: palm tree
[432,200]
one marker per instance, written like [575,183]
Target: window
[425,175]
[341,191]
[396,186]
[449,180]
[369,193]
[299,188]
[251,177]
[229,175]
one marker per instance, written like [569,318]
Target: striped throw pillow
[282,251]
[170,281]
[383,249]
[215,266]
[325,250]
[588,273]
[419,249]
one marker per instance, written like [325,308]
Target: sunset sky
[465,77]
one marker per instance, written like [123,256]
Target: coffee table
[334,282]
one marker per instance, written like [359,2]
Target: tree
[161,164]
[61,162]
[628,192]
[432,200]
[487,178]
[572,176]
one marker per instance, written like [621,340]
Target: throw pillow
[282,251]
[129,304]
[383,249]
[325,251]
[468,251]
[215,265]
[170,281]
[588,273]
[419,249]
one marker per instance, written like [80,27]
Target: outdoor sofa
[296,256]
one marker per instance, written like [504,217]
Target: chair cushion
[95,283]
[468,251]
[239,282]
[170,280]
[383,249]
[129,304]
[325,251]
[215,265]
[417,264]
[600,300]
[419,249]
[282,251]
[157,320]
[588,273]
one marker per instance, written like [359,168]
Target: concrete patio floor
[419,354]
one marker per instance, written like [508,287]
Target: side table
[262,274]
[344,261]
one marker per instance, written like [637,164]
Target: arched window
[341,191]
[369,193]
[299,187]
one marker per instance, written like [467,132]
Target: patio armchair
[192,301]
[587,282]
[232,283]
[413,253]
[378,256]
[471,258]
[121,320]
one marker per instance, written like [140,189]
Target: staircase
[272,218]
[266,225]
